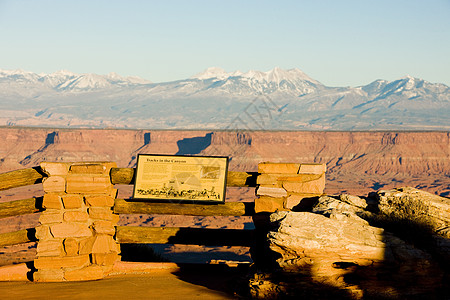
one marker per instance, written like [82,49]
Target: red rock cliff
[359,159]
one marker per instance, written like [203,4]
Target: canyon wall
[357,162]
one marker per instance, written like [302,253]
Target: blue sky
[339,43]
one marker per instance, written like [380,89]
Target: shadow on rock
[392,245]
[195,145]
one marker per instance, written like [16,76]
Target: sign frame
[181,179]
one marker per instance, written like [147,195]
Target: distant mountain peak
[275,75]
[61,73]
[275,99]
[408,77]
[114,75]
[137,80]
[15,72]
[67,80]
[214,72]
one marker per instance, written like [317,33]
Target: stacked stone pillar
[283,186]
[76,231]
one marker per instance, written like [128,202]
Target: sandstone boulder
[419,217]
[301,238]
[327,205]
[336,249]
[418,206]
[344,208]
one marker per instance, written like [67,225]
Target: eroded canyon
[357,162]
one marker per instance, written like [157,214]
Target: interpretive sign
[181,178]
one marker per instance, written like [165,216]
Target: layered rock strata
[352,247]
[416,206]
[418,216]
[283,186]
[76,231]
[357,162]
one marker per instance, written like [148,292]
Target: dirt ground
[187,283]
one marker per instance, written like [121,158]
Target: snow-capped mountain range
[216,99]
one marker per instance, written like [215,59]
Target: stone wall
[283,186]
[76,231]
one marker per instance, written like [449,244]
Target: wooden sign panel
[174,178]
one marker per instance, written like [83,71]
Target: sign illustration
[181,178]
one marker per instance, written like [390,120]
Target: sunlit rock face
[359,247]
[357,162]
